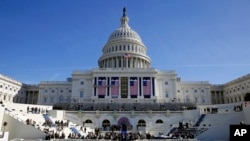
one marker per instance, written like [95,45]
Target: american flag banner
[126,55]
[114,87]
[146,86]
[133,86]
[101,86]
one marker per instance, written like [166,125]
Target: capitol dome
[124,31]
[124,48]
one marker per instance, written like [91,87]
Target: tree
[247,97]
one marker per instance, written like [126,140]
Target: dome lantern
[124,19]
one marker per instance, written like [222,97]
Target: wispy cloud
[54,77]
[213,65]
[55,68]
[204,65]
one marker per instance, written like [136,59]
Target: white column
[142,95]
[106,87]
[132,62]
[126,62]
[122,64]
[151,85]
[116,62]
[119,95]
[129,88]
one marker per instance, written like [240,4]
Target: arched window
[141,123]
[105,122]
[88,121]
[159,121]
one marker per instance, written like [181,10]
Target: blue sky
[202,40]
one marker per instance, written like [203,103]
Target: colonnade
[124,62]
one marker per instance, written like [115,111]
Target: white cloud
[54,77]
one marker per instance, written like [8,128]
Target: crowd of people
[172,106]
[238,108]
[184,131]
[35,110]
[53,135]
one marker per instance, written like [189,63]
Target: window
[52,91]
[166,82]
[202,91]
[105,122]
[195,91]
[45,91]
[69,91]
[141,123]
[203,99]
[187,98]
[186,91]
[61,91]
[51,99]
[196,99]
[88,121]
[61,98]
[45,100]
[178,91]
[166,94]
[82,82]
[159,121]
[81,94]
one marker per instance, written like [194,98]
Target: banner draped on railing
[146,86]
[133,86]
[102,86]
[114,87]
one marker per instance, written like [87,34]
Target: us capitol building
[124,75]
